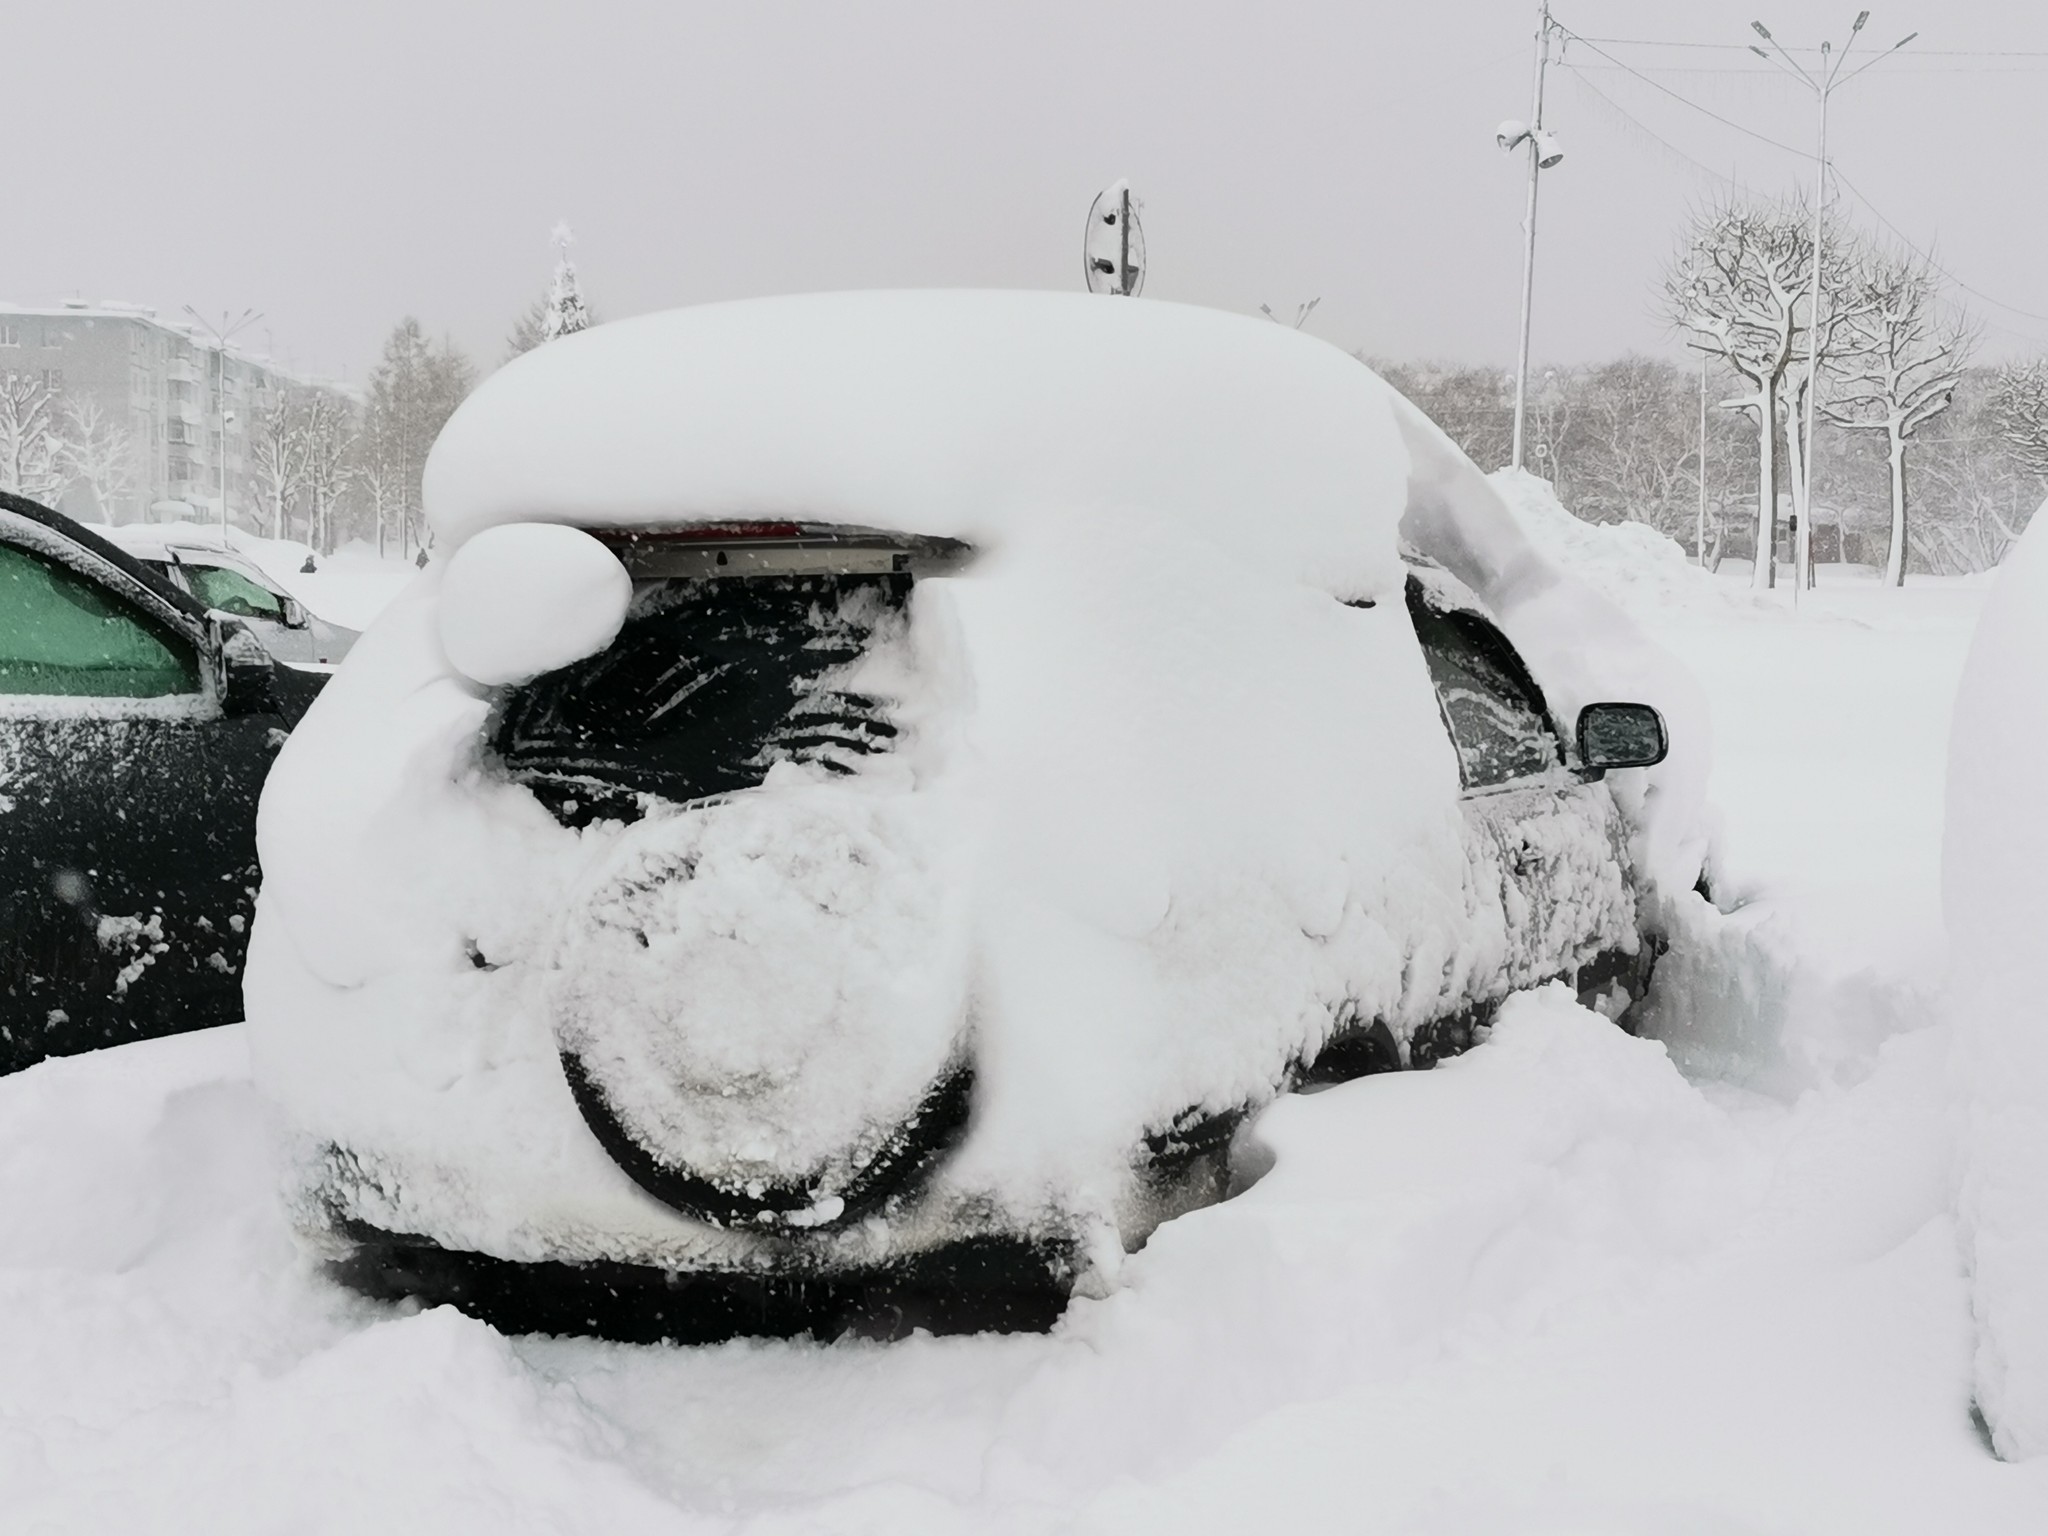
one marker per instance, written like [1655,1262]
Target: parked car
[227,582]
[135,732]
[875,792]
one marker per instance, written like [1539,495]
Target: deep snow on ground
[1553,1286]
[349,587]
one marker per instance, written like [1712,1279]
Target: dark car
[135,734]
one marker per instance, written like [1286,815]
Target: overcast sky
[338,166]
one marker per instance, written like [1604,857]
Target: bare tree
[413,391]
[1899,370]
[280,454]
[328,466]
[97,452]
[2019,406]
[530,330]
[30,446]
[1736,288]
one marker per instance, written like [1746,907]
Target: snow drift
[1996,907]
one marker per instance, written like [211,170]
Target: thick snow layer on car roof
[950,413]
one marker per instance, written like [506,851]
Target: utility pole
[1543,154]
[1822,82]
[221,334]
[1699,547]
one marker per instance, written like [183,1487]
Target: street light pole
[1536,152]
[221,334]
[1822,84]
[1699,546]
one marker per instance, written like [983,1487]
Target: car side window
[1491,706]
[232,592]
[61,634]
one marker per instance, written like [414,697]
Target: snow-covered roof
[958,413]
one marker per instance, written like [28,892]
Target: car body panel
[127,840]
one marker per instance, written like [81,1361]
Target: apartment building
[167,384]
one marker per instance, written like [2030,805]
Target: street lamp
[1822,83]
[1544,153]
[221,334]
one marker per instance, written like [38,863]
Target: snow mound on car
[1631,564]
[957,414]
[523,600]
[763,990]
[1995,849]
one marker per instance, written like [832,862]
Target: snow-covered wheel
[760,1006]
[900,1156]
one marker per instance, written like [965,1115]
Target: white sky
[338,166]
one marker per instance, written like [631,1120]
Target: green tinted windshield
[62,634]
[232,592]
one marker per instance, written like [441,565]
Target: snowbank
[1996,902]
[1550,1288]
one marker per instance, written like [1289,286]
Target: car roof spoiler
[717,550]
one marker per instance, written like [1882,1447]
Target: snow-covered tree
[329,461]
[558,312]
[1740,290]
[97,452]
[530,330]
[2019,406]
[413,392]
[1898,370]
[565,312]
[31,462]
[279,455]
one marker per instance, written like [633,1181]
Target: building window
[52,337]
[10,334]
[53,380]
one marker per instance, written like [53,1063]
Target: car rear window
[709,684]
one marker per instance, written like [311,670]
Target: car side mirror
[248,677]
[294,613]
[1621,736]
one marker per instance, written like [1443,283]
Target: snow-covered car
[875,791]
[227,582]
[135,733]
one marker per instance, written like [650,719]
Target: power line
[1647,132]
[1789,149]
[1658,85]
[1902,69]
[1933,53]
[1928,256]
